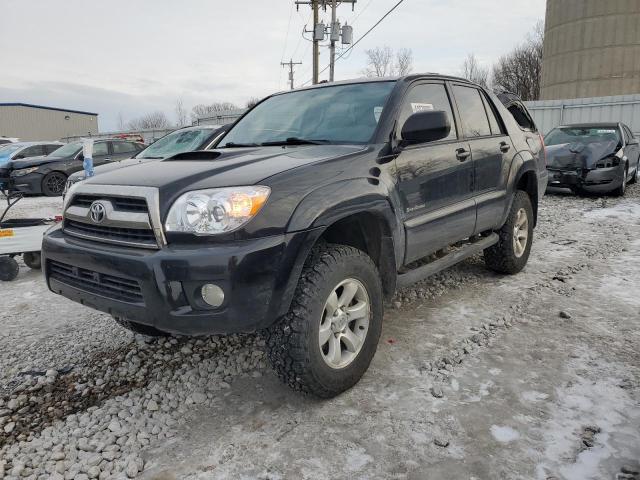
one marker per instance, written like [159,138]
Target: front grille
[109,286]
[124,204]
[132,236]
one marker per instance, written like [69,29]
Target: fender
[523,162]
[331,203]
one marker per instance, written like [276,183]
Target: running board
[420,273]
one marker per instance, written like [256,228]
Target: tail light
[544,149]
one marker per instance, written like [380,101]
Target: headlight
[23,171]
[216,210]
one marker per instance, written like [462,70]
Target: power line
[360,39]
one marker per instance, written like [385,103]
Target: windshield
[67,150]
[584,135]
[176,142]
[336,114]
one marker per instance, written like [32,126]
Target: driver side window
[427,96]
[100,149]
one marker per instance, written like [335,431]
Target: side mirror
[19,157]
[426,126]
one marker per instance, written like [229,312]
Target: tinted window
[34,151]
[51,148]
[124,147]
[428,96]
[472,113]
[100,149]
[522,117]
[493,121]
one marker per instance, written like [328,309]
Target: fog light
[212,294]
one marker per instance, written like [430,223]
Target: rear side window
[627,133]
[100,149]
[473,115]
[51,148]
[493,120]
[428,96]
[522,117]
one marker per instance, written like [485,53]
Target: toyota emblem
[97,212]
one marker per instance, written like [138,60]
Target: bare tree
[149,121]
[252,102]
[520,71]
[379,62]
[121,123]
[384,62]
[404,61]
[472,70]
[181,114]
[202,110]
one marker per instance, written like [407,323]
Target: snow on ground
[535,376]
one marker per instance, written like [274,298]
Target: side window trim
[452,105]
[490,109]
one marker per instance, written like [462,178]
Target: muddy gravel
[476,376]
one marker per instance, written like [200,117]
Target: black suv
[316,205]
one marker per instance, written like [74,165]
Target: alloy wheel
[344,324]
[520,233]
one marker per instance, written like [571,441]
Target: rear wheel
[326,341]
[511,253]
[53,184]
[140,328]
[33,260]
[8,269]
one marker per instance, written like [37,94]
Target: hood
[33,162]
[109,167]
[579,155]
[222,168]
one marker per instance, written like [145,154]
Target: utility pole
[319,31]
[290,64]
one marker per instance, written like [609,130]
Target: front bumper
[599,180]
[258,277]
[30,183]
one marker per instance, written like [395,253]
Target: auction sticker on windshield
[421,107]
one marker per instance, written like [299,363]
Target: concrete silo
[591,49]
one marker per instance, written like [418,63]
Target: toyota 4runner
[316,205]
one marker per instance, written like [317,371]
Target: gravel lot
[477,376]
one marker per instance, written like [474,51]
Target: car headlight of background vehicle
[23,171]
[217,210]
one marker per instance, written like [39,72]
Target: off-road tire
[51,188]
[621,190]
[9,269]
[292,343]
[140,328]
[501,257]
[33,260]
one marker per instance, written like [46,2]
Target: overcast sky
[117,57]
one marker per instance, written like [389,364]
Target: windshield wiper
[239,145]
[294,141]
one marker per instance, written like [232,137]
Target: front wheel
[511,253]
[33,260]
[53,184]
[622,189]
[9,269]
[325,343]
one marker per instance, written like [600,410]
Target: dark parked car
[48,174]
[183,140]
[20,150]
[314,206]
[593,157]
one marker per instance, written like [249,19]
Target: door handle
[462,154]
[504,147]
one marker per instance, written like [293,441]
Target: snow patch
[504,434]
